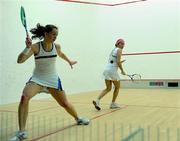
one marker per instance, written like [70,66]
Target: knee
[24,99]
[108,89]
[65,104]
[117,88]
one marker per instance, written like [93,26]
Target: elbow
[119,63]
[20,61]
[61,55]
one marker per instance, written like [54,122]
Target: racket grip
[28,41]
[27,34]
[123,61]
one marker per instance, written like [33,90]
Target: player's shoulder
[35,46]
[57,45]
[119,51]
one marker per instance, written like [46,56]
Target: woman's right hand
[28,42]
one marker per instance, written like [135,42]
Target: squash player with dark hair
[45,77]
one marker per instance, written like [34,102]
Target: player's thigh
[108,84]
[116,84]
[59,96]
[31,89]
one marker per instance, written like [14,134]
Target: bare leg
[116,90]
[60,97]
[106,90]
[102,94]
[30,90]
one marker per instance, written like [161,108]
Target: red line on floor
[8,111]
[145,106]
[72,125]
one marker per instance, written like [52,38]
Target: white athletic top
[110,72]
[112,62]
[45,68]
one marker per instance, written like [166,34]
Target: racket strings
[23,16]
[136,77]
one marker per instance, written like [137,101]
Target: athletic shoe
[96,104]
[114,105]
[83,121]
[20,135]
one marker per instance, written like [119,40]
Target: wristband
[26,51]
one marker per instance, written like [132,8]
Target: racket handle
[123,61]
[28,41]
[27,34]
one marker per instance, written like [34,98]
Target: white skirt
[52,82]
[111,74]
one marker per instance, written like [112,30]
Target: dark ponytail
[40,31]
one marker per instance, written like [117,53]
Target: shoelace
[20,136]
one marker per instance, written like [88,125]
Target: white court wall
[1,50]
[87,34]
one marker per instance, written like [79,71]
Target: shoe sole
[85,123]
[95,105]
[114,107]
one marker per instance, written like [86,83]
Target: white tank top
[45,61]
[112,62]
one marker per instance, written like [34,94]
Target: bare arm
[23,57]
[119,62]
[27,52]
[63,56]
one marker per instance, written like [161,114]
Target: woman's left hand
[71,63]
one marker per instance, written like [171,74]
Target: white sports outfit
[111,70]
[45,68]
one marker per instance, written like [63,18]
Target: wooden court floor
[155,111]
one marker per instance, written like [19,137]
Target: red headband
[119,41]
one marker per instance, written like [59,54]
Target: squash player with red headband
[111,75]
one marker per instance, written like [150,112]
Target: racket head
[23,17]
[135,77]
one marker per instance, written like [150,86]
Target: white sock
[97,100]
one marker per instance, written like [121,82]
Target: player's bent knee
[108,89]
[24,99]
[65,104]
[117,87]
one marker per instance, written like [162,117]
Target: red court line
[83,2]
[44,109]
[147,53]
[72,125]
[31,111]
[129,2]
[108,113]
[102,4]
[57,107]
[144,106]
[8,111]
[87,103]
[64,128]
